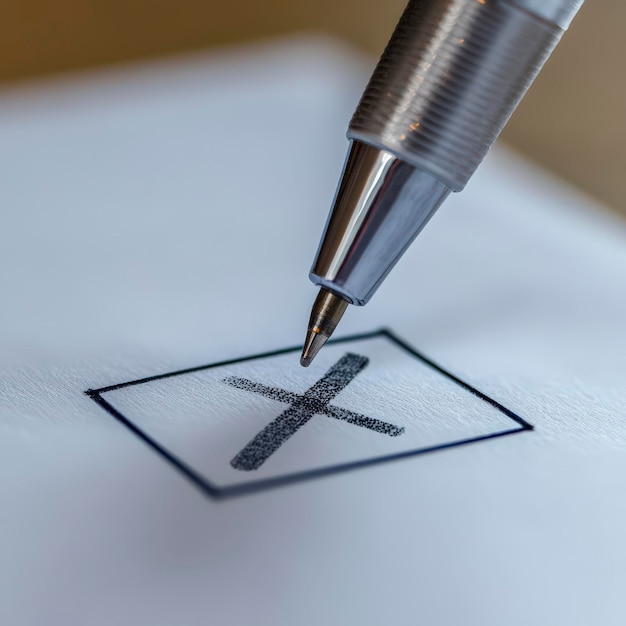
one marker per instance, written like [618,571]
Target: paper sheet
[148,228]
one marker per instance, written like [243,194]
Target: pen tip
[327,311]
[312,345]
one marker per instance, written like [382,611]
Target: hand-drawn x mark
[315,400]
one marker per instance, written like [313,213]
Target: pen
[447,83]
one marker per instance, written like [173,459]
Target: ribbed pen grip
[448,81]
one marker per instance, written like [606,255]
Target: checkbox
[262,421]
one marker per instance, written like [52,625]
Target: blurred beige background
[571,120]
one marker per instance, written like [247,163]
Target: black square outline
[215,492]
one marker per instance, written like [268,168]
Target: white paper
[156,219]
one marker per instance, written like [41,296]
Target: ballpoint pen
[448,81]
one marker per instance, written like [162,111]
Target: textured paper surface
[147,229]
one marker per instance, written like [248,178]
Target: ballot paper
[457,457]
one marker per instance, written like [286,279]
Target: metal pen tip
[328,309]
[312,345]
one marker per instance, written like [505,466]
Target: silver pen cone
[328,309]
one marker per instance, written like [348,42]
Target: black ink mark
[303,407]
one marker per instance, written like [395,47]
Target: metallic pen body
[448,81]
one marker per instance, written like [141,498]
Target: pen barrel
[449,79]
[451,76]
